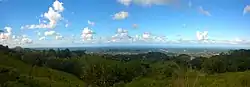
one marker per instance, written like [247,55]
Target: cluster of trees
[98,70]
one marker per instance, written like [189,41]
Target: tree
[197,62]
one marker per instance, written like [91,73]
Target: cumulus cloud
[121,36]
[58,6]
[146,35]
[204,12]
[7,34]
[49,33]
[246,9]
[14,37]
[26,41]
[91,23]
[6,38]
[8,29]
[87,34]
[125,2]
[42,38]
[121,15]
[53,16]
[22,40]
[202,36]
[59,37]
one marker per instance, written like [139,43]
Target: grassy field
[195,79]
[41,75]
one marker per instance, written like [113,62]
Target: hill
[28,76]
[65,68]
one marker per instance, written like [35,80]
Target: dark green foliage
[197,62]
[8,74]
[237,60]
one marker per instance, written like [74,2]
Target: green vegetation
[64,68]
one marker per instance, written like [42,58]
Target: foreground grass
[196,79]
[42,76]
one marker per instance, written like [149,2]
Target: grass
[196,79]
[43,75]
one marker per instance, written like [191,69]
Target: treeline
[98,70]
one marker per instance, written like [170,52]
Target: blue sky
[98,22]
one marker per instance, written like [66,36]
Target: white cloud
[53,16]
[135,26]
[8,29]
[121,15]
[121,36]
[146,2]
[26,40]
[146,35]
[202,36]
[59,37]
[33,26]
[3,36]
[87,34]
[6,35]
[91,23]
[42,38]
[14,40]
[125,2]
[49,33]
[238,40]
[14,37]
[66,25]
[246,9]
[202,11]
[58,6]
[24,36]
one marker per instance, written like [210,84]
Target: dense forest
[64,68]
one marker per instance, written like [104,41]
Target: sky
[62,23]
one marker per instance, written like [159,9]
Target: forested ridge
[64,68]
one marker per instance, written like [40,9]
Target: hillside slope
[38,76]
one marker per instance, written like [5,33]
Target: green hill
[195,79]
[39,76]
[63,68]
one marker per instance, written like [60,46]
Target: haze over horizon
[83,23]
